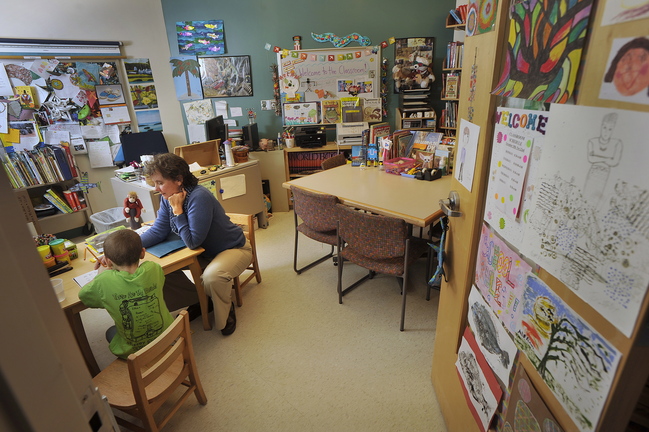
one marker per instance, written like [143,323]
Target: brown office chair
[247,223]
[319,221]
[380,244]
[141,384]
[334,161]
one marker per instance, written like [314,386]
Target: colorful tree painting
[546,39]
[185,67]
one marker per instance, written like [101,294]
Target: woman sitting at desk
[194,213]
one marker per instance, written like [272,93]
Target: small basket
[240,154]
[398,165]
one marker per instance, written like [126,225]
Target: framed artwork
[110,94]
[226,76]
[413,64]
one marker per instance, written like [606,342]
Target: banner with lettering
[500,277]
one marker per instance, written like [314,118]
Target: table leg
[196,271]
[74,319]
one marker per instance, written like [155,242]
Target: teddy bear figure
[133,210]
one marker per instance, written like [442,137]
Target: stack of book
[65,201]
[454,54]
[48,164]
[459,14]
[449,115]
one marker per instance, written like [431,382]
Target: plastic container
[398,165]
[49,262]
[58,246]
[59,290]
[107,219]
[64,257]
[72,249]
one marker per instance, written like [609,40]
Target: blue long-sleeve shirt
[202,224]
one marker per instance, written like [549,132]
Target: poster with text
[588,222]
[575,361]
[512,173]
[500,277]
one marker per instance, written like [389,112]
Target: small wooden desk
[374,190]
[72,305]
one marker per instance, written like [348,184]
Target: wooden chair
[247,223]
[380,244]
[319,221]
[140,385]
[334,161]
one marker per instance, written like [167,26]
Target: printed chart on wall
[588,222]
[325,75]
[515,157]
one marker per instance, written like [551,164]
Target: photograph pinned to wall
[197,112]
[200,37]
[575,361]
[522,125]
[88,75]
[588,223]
[627,72]
[108,73]
[544,73]
[186,73]
[226,76]
[143,96]
[467,149]
[110,94]
[479,385]
[148,120]
[618,11]
[493,339]
[413,63]
[525,406]
[138,70]
[500,276]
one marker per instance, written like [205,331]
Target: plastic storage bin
[398,165]
[107,219]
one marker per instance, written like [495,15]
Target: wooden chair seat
[247,223]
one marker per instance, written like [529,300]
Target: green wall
[250,24]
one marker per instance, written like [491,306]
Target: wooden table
[72,305]
[374,190]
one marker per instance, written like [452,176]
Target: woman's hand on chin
[176,202]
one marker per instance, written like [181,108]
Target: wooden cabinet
[421,120]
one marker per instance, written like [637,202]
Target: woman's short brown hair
[171,167]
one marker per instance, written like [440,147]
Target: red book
[82,204]
[69,197]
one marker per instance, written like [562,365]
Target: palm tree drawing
[188,66]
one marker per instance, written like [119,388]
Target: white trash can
[107,219]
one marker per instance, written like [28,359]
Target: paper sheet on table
[221,108]
[236,111]
[233,186]
[85,278]
[99,154]
[194,166]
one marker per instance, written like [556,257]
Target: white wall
[138,24]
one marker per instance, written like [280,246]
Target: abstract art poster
[500,277]
[494,341]
[525,410]
[626,77]
[575,361]
[506,171]
[546,40]
[588,223]
[479,384]
[481,16]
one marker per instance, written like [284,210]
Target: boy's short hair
[123,247]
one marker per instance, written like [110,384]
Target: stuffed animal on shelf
[132,210]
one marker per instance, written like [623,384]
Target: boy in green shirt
[131,293]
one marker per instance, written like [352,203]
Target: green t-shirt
[134,301]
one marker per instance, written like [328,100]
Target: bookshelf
[46,170]
[418,120]
[451,77]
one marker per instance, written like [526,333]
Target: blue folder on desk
[171,244]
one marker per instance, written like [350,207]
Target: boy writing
[131,293]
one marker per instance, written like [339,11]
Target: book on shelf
[56,203]
[456,16]
[331,111]
[378,130]
[71,199]
[372,109]
[451,86]
[352,110]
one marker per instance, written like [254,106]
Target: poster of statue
[575,361]
[588,222]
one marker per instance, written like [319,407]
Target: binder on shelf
[62,160]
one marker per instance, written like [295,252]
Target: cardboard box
[205,154]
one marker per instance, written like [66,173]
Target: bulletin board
[326,75]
